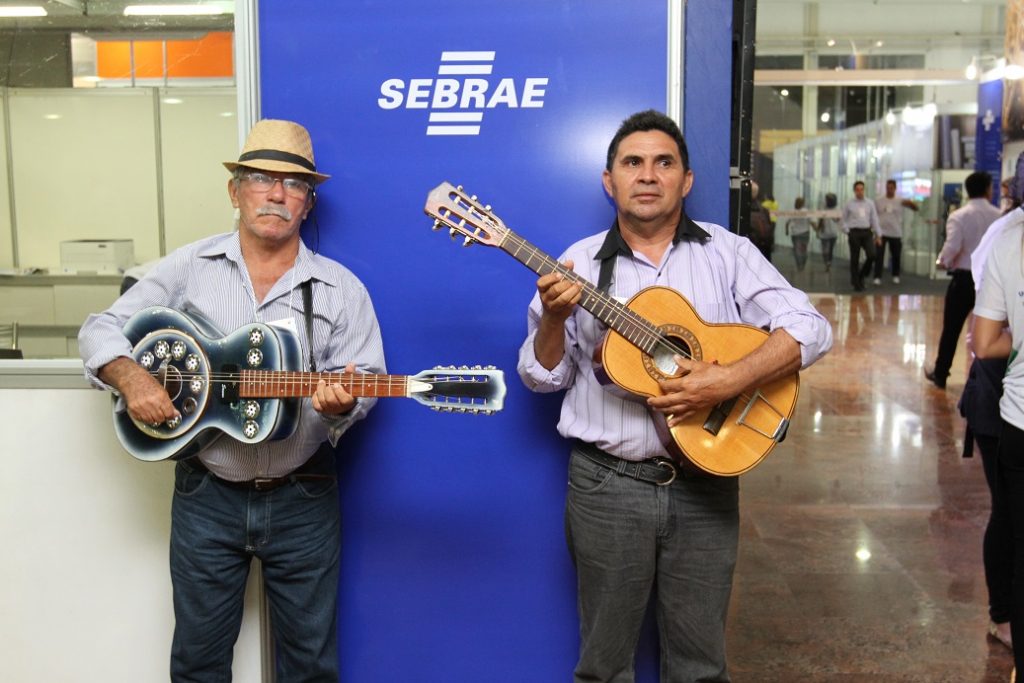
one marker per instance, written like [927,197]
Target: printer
[97,256]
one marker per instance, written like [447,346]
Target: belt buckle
[265,484]
[670,466]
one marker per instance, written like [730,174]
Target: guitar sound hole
[170,378]
[664,355]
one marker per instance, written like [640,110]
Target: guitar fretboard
[615,315]
[279,384]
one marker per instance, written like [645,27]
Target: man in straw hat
[276,500]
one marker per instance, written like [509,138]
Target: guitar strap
[604,279]
[307,306]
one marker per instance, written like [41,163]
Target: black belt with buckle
[264,484]
[658,471]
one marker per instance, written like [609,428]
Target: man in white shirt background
[890,218]
[964,230]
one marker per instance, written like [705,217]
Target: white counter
[85,590]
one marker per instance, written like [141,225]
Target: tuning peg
[468,242]
[476,367]
[437,225]
[487,208]
[473,197]
[463,367]
[490,367]
[459,188]
[454,233]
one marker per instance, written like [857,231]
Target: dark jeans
[997,547]
[216,530]
[629,538]
[895,245]
[861,238]
[800,243]
[958,305]
[1010,487]
[828,245]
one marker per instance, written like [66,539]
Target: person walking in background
[799,231]
[964,230]
[828,231]
[890,218]
[860,223]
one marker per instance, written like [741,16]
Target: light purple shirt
[861,213]
[964,229]
[724,277]
[209,277]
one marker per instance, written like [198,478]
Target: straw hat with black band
[282,146]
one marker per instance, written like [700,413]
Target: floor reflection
[860,557]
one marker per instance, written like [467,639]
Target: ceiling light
[825,117]
[23,11]
[784,92]
[830,42]
[879,43]
[172,100]
[171,10]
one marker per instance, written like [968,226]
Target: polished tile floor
[860,551]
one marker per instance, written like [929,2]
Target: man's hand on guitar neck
[146,399]
[332,399]
[558,297]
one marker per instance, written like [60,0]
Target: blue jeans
[216,530]
[630,537]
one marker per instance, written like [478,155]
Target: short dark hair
[859,182]
[644,121]
[889,182]
[977,184]
[830,200]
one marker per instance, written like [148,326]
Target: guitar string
[292,381]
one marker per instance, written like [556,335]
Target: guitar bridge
[779,433]
[720,413]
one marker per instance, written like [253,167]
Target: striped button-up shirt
[210,278]
[723,276]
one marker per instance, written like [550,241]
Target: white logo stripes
[457,104]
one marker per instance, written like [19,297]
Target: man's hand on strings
[697,386]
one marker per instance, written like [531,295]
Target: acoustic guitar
[644,335]
[246,384]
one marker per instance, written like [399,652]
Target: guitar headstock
[461,213]
[460,390]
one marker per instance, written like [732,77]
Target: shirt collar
[614,244]
[309,266]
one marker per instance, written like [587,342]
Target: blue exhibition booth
[454,561]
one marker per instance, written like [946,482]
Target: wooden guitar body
[733,441]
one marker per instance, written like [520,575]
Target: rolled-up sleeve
[534,375]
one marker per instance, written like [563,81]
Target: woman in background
[828,231]
[799,230]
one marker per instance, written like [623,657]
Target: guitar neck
[279,384]
[602,306]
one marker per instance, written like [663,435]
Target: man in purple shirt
[634,520]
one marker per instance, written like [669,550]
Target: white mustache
[272,210]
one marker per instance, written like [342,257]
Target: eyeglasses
[261,182]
